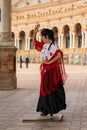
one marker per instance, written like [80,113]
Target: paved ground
[19,104]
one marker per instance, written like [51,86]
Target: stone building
[67,18]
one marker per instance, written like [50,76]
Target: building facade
[67,19]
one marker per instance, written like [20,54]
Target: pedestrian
[52,97]
[21,61]
[27,61]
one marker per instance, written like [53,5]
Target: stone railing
[75,56]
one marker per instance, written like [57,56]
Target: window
[56,40]
[79,41]
[31,45]
[67,42]
[20,44]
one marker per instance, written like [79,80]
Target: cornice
[65,11]
[14,2]
[41,6]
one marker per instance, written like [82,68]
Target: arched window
[78,35]
[66,36]
[31,43]
[55,30]
[22,43]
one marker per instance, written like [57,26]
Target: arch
[66,29]
[13,35]
[55,31]
[31,33]
[78,28]
[22,34]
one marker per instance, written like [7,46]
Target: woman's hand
[37,28]
[57,58]
[46,62]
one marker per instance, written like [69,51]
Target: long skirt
[52,103]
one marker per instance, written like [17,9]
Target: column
[8,79]
[61,42]
[6,21]
[15,41]
[73,40]
[29,43]
[83,39]
[70,40]
[59,39]
[26,44]
[18,43]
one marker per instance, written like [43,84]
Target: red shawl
[51,74]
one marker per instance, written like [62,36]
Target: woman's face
[45,39]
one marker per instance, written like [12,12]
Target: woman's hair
[50,34]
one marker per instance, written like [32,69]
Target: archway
[31,36]
[55,30]
[78,37]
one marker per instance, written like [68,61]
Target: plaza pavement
[19,104]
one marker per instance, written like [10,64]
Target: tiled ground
[19,104]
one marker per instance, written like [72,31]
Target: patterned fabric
[47,54]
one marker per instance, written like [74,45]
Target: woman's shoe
[44,114]
[60,117]
[51,114]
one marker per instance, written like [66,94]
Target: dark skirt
[53,102]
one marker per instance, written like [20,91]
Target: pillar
[6,22]
[62,35]
[28,43]
[73,44]
[15,41]
[8,78]
[70,40]
[83,39]
[59,39]
[18,43]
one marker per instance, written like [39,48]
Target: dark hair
[50,34]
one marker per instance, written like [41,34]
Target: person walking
[27,61]
[21,61]
[52,97]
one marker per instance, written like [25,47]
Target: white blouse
[47,54]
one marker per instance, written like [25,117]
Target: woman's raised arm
[38,45]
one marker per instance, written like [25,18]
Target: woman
[53,76]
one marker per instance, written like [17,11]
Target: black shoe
[44,114]
[51,114]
